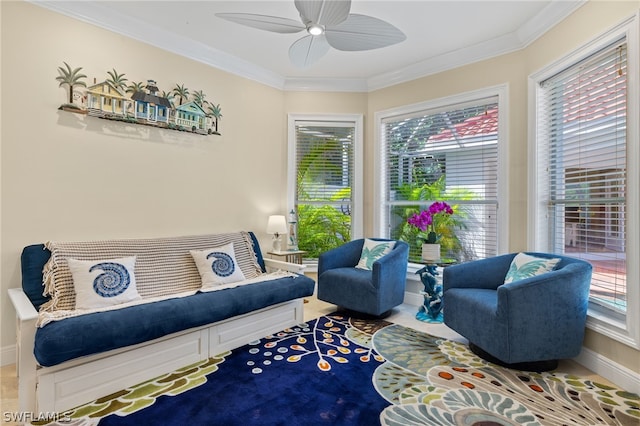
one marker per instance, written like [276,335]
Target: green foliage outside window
[324,202]
[321,228]
[451,245]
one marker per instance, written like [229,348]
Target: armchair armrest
[274,265]
[392,266]
[486,273]
[567,287]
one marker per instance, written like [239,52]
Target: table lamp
[277,225]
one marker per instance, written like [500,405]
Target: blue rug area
[307,375]
[340,370]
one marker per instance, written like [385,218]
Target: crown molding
[89,11]
[528,33]
[325,84]
[447,61]
[96,14]
[549,17]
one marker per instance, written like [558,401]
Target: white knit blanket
[164,266]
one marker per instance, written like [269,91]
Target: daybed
[69,356]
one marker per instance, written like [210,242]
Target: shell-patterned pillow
[217,266]
[102,283]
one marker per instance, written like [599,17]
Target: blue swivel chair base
[536,366]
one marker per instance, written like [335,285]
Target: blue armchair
[373,292]
[527,324]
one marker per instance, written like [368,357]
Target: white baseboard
[8,355]
[414,299]
[623,377]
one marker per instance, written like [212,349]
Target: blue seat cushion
[474,312]
[350,288]
[88,334]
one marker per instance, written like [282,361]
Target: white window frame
[357,225]
[502,92]
[627,329]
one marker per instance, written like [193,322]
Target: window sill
[614,328]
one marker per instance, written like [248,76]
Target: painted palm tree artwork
[72,78]
[216,113]
[138,102]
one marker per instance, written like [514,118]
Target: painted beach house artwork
[139,103]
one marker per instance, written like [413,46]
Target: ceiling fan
[328,24]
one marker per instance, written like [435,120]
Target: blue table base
[431,310]
[424,317]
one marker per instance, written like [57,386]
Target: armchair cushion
[373,250]
[526,266]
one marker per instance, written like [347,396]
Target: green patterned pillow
[372,251]
[526,266]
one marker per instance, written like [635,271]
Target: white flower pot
[430,252]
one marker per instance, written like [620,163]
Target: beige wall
[73,177]
[60,172]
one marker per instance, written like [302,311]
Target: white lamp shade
[277,224]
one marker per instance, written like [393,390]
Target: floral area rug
[341,370]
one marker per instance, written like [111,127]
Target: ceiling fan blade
[361,32]
[264,22]
[308,50]
[323,12]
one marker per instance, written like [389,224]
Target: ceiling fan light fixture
[315,29]
[328,23]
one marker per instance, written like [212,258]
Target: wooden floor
[8,392]
[314,308]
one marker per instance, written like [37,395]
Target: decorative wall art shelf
[139,103]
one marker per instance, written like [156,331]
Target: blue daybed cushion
[88,334]
[33,259]
[257,251]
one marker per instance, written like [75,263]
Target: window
[325,163]
[582,166]
[445,150]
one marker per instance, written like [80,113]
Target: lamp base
[277,244]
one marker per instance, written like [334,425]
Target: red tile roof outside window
[480,125]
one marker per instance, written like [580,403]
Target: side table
[291,256]
[431,309]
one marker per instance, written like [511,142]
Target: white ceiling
[441,34]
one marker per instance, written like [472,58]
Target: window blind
[582,118]
[443,154]
[324,161]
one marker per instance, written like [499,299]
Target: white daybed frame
[82,380]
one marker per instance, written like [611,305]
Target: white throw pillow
[101,283]
[373,250]
[526,266]
[217,265]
